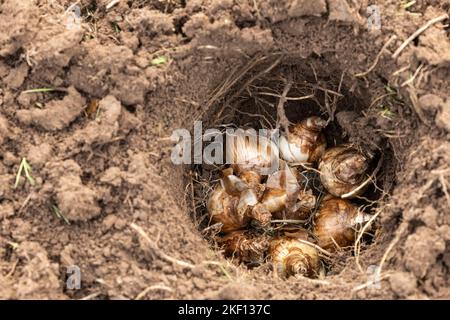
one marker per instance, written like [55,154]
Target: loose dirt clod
[75,201]
[56,115]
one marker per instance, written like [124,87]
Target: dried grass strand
[417,33]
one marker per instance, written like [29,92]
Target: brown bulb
[281,190]
[248,151]
[296,232]
[252,178]
[274,200]
[302,208]
[285,179]
[232,184]
[305,143]
[235,185]
[260,216]
[236,211]
[284,198]
[342,170]
[292,257]
[223,208]
[336,222]
[245,247]
[306,200]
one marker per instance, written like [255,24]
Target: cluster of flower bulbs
[247,203]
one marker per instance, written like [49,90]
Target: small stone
[339,10]
[140,215]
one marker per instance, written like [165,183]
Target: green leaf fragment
[159,61]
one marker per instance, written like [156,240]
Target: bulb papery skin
[248,198]
[292,257]
[233,185]
[261,216]
[274,200]
[305,142]
[245,247]
[290,152]
[306,200]
[248,151]
[284,198]
[234,203]
[336,223]
[281,190]
[223,208]
[300,210]
[285,179]
[252,178]
[342,170]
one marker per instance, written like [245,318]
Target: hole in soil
[131,108]
[179,23]
[242,23]
[310,245]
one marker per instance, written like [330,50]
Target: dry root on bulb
[342,170]
[310,180]
[245,247]
[290,257]
[336,223]
[305,143]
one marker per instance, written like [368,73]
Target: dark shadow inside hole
[130,108]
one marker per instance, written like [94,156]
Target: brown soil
[100,150]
